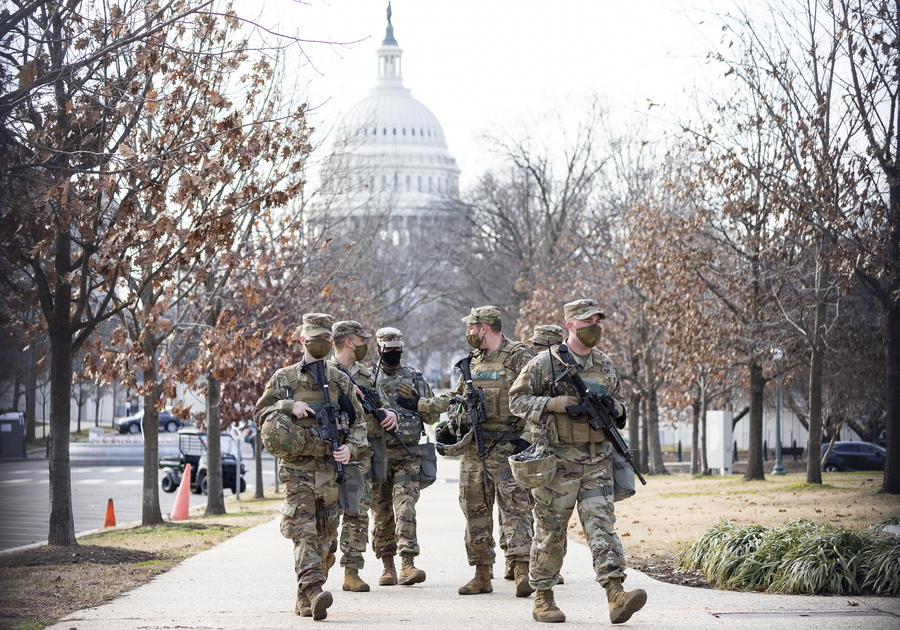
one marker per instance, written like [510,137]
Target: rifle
[597,409]
[371,404]
[475,414]
[331,427]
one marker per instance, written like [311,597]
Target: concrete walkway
[247,583]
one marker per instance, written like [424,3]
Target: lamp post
[779,468]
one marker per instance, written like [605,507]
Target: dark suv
[192,450]
[846,456]
[132,424]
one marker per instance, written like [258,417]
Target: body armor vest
[576,430]
[491,378]
[410,427]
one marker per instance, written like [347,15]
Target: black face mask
[391,358]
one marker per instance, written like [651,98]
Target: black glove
[409,397]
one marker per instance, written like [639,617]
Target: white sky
[481,64]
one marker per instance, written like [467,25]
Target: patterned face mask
[589,335]
[318,348]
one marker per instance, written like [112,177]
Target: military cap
[389,338]
[483,315]
[315,324]
[582,309]
[547,333]
[349,327]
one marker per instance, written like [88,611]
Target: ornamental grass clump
[801,557]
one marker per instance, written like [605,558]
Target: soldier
[350,348]
[544,337]
[584,472]
[286,416]
[394,502]
[496,361]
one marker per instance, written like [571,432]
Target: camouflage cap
[389,338]
[582,309]
[349,327]
[483,315]
[315,324]
[547,333]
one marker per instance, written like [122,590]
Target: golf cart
[192,448]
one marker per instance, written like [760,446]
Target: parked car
[192,445]
[846,456]
[132,424]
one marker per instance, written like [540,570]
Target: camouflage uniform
[493,374]
[355,527]
[584,475]
[394,502]
[310,511]
[544,337]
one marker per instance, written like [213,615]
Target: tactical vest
[305,390]
[410,422]
[490,377]
[576,430]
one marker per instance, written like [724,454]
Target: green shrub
[799,557]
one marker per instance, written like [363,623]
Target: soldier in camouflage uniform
[394,503]
[350,348]
[544,337]
[496,361]
[286,416]
[584,474]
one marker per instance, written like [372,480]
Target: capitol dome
[392,146]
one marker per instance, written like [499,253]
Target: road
[25,496]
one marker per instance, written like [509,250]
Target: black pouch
[428,470]
[351,490]
[379,458]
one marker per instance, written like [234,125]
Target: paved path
[247,583]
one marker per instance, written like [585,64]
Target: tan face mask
[474,340]
[360,352]
[589,335]
[318,348]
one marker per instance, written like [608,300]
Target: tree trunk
[695,434]
[704,451]
[62,520]
[257,453]
[645,432]
[215,502]
[755,454]
[892,419]
[151,513]
[653,446]
[31,396]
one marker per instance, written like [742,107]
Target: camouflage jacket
[297,439]
[534,387]
[516,359]
[410,421]
[363,376]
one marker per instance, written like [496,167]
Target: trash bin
[12,434]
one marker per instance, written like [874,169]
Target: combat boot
[520,573]
[352,581]
[389,577]
[409,574]
[508,573]
[622,603]
[302,607]
[481,583]
[319,601]
[545,608]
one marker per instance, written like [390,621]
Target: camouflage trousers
[355,527]
[476,498]
[309,517]
[394,505]
[583,475]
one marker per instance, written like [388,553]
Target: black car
[192,450]
[846,456]
[132,424]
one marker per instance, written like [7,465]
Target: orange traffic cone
[110,519]
[182,497]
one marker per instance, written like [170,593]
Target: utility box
[12,434]
[719,442]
